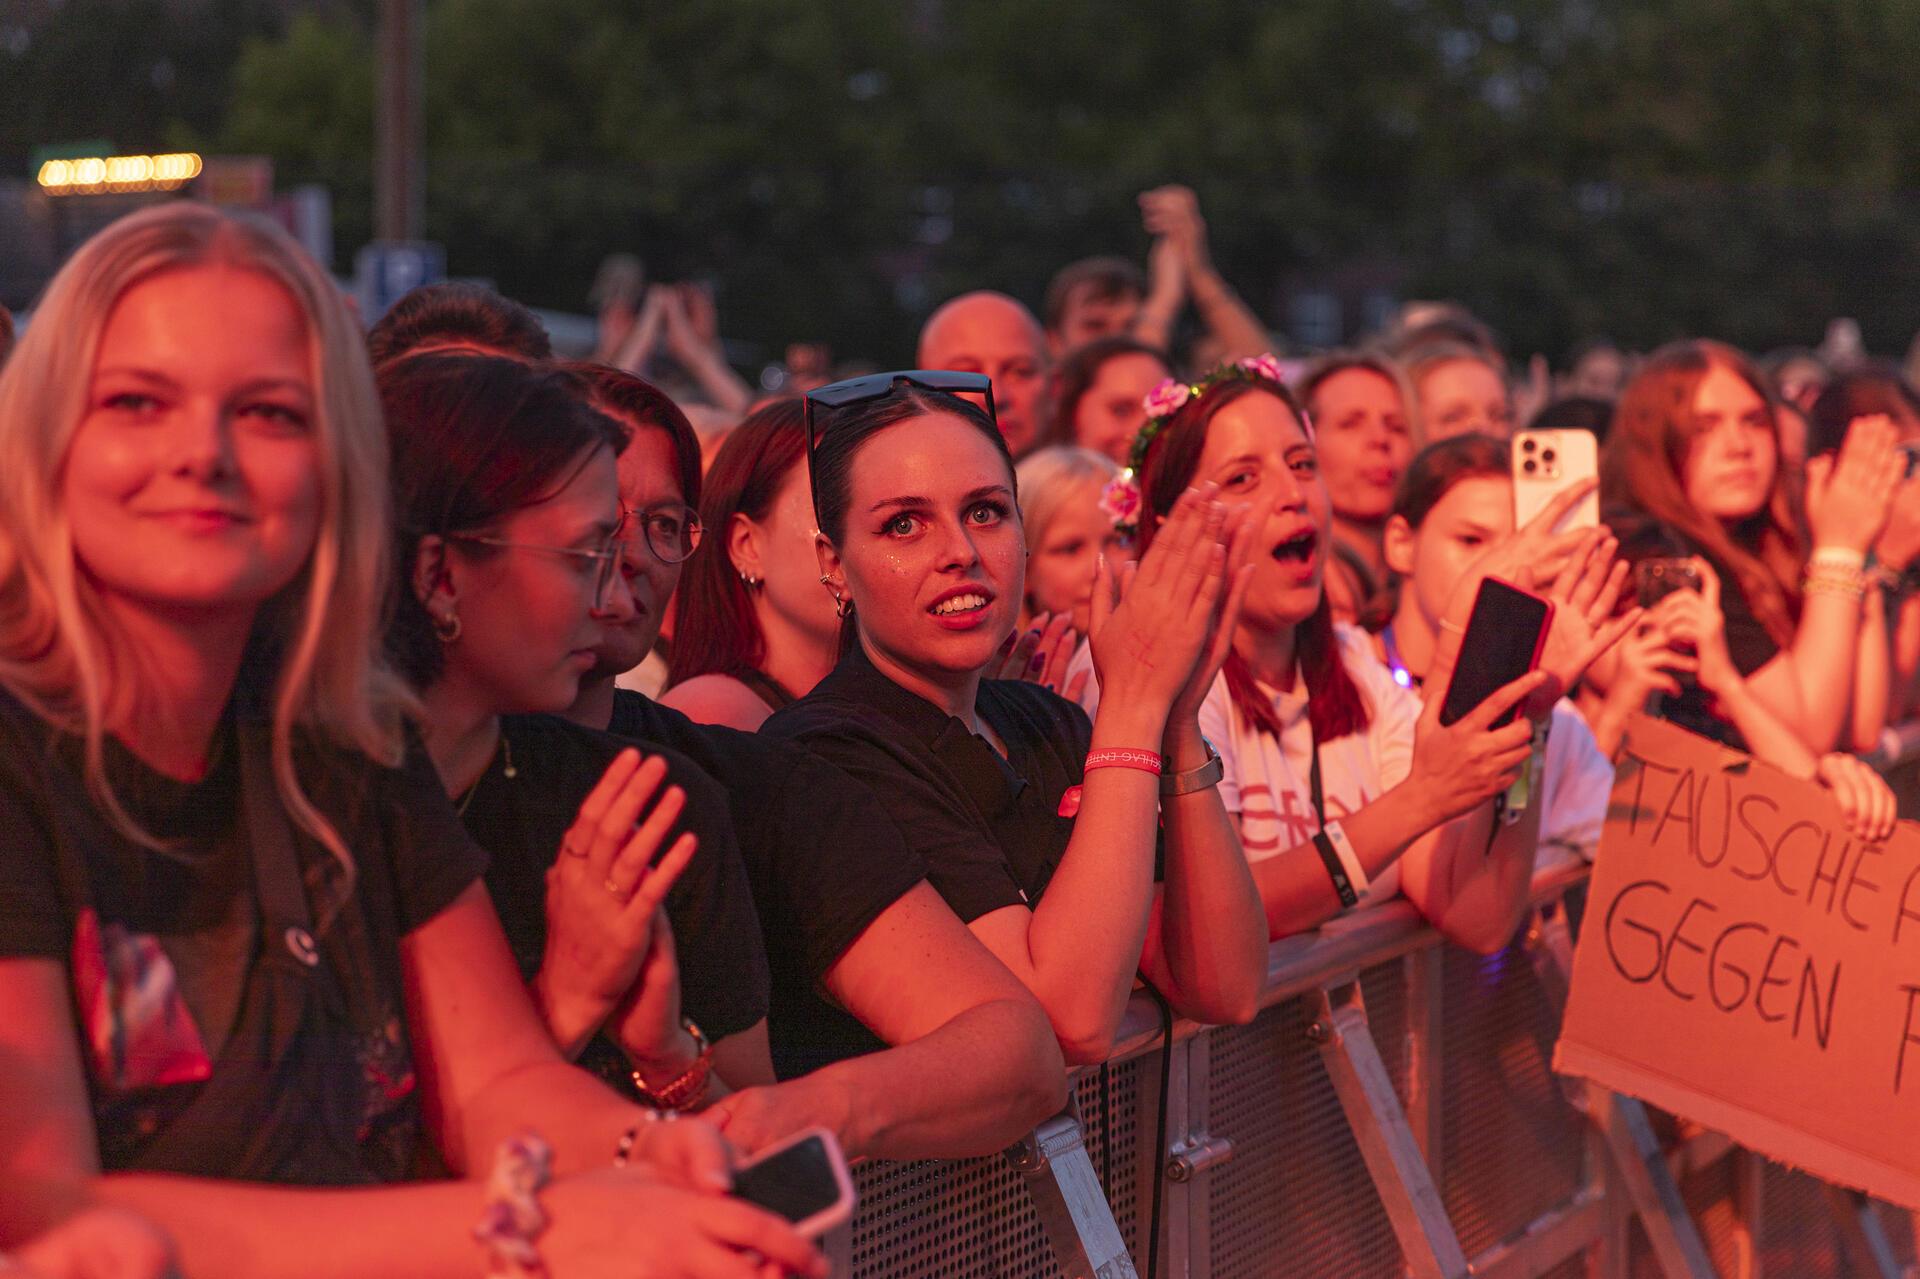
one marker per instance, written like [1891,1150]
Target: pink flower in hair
[1121,500]
[1266,366]
[1165,399]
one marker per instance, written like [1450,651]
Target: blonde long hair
[318,640]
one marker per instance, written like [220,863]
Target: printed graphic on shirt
[1264,830]
[134,1019]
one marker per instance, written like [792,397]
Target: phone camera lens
[1529,466]
[1547,456]
[1526,445]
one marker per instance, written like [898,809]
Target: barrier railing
[1390,1112]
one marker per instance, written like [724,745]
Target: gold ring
[614,888]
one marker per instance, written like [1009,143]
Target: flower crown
[1122,499]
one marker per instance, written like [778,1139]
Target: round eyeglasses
[603,562]
[671,530]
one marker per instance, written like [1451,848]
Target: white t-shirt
[1266,782]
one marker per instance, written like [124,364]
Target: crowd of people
[431,763]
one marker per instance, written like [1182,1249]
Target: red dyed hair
[1334,704]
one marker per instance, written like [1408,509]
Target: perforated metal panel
[1501,1109]
[973,1218]
[1711,1196]
[1295,1199]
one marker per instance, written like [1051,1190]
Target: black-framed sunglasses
[671,530]
[857,390]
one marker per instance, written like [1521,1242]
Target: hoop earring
[843,606]
[447,628]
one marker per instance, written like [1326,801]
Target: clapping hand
[1041,654]
[1584,595]
[603,892]
[1849,497]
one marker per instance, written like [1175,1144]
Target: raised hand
[1242,528]
[1695,617]
[1584,596]
[1899,543]
[1850,497]
[1649,664]
[1173,212]
[1459,766]
[1040,654]
[1531,557]
[1146,648]
[602,894]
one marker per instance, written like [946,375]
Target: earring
[753,583]
[826,580]
[843,606]
[447,627]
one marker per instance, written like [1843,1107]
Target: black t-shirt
[163,953]
[824,857]
[990,830]
[520,821]
[1748,642]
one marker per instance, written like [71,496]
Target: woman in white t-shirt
[1403,803]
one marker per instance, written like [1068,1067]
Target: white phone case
[1544,463]
[841,1210]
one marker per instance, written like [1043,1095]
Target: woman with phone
[209,785]
[1692,467]
[1039,828]
[1341,785]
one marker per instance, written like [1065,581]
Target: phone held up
[1505,633]
[1545,463]
[803,1178]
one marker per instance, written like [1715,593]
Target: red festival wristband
[1123,757]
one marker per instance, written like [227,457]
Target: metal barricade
[1390,1112]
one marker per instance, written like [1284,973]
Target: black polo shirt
[520,821]
[990,830]
[824,857]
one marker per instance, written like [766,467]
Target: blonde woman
[242,935]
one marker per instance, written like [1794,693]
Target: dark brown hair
[457,312]
[638,403]
[716,631]
[1075,375]
[1110,277]
[1862,392]
[1436,468]
[474,438]
[1334,703]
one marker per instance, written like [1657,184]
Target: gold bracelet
[689,1089]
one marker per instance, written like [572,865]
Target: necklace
[507,770]
[1401,675]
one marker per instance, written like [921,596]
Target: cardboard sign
[1746,962]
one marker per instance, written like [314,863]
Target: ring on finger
[614,888]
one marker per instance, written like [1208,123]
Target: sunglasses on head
[874,386]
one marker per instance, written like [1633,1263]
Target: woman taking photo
[1692,467]
[1037,827]
[756,628]
[1341,785]
[225,853]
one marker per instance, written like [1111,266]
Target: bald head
[991,333]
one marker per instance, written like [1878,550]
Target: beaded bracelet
[1831,579]
[513,1218]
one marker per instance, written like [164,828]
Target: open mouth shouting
[1298,550]
[962,608]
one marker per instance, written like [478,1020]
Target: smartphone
[803,1178]
[1505,633]
[1547,462]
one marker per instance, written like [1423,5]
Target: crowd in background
[431,762]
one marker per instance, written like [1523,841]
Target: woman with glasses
[757,629]
[248,971]
[843,900]
[507,497]
[1039,828]
[659,471]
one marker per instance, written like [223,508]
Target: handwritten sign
[1747,962]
